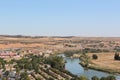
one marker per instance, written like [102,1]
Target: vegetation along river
[72,65]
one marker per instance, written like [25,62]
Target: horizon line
[21,35]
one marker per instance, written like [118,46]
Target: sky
[60,17]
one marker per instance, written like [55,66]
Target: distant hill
[22,36]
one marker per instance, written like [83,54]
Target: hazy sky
[60,17]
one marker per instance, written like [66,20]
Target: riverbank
[105,63]
[98,68]
[104,69]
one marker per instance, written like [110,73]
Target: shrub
[111,78]
[95,56]
[83,78]
[103,78]
[95,78]
[116,57]
[50,78]
[108,78]
[56,62]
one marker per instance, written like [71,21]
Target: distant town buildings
[8,54]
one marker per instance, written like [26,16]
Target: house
[7,54]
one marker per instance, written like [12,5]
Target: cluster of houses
[20,52]
[8,54]
[44,53]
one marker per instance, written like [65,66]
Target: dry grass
[9,42]
[19,45]
[106,61]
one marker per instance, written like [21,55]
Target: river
[72,65]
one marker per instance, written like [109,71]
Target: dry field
[9,42]
[106,61]
[54,43]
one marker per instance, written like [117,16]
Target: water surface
[72,65]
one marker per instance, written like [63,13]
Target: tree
[94,56]
[36,68]
[110,78]
[17,73]
[4,78]
[83,78]
[103,78]
[56,62]
[24,76]
[7,74]
[2,63]
[50,78]
[85,60]
[95,78]
[23,63]
[116,57]
[10,64]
